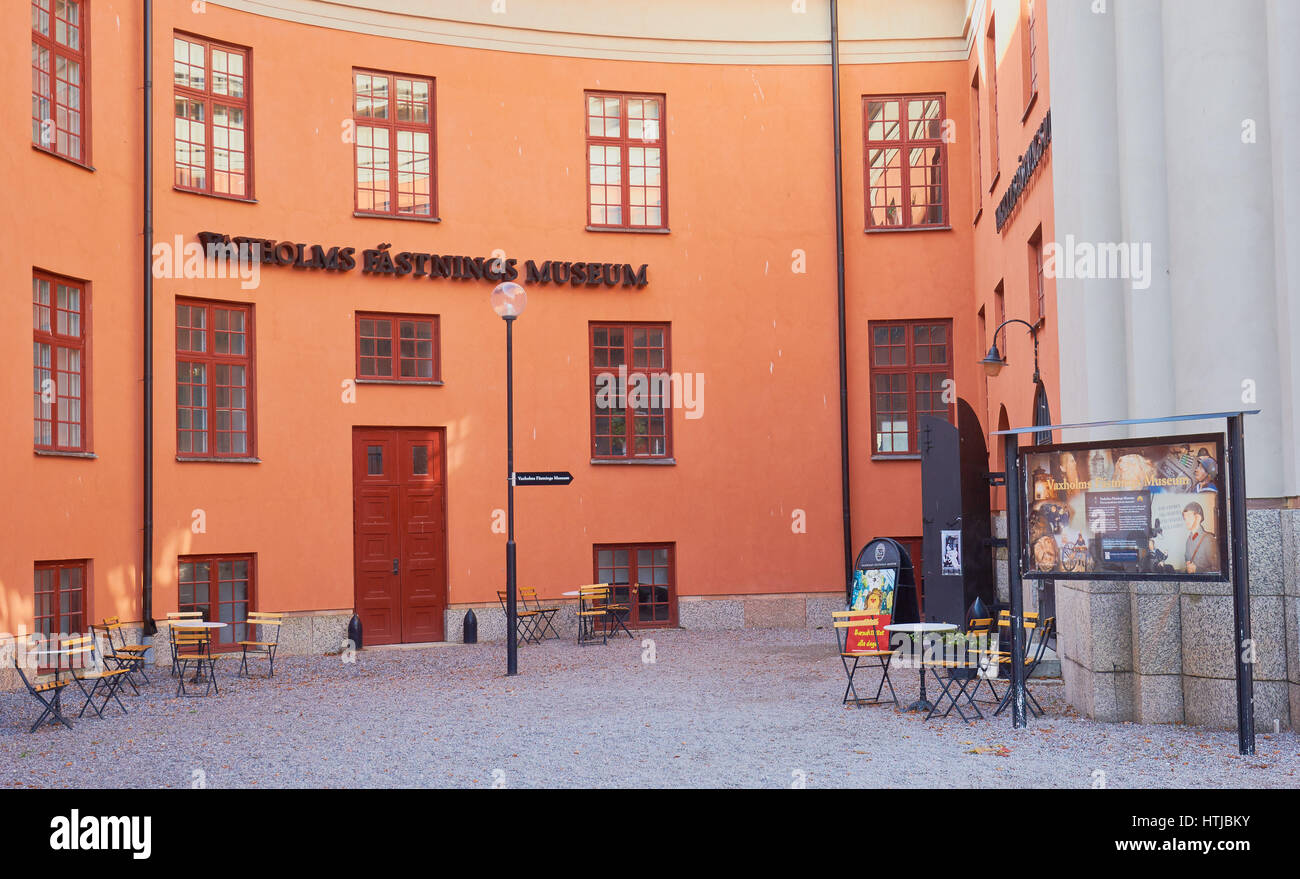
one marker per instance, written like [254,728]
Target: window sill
[978,214]
[83,165]
[1033,99]
[878,230]
[188,459]
[664,231]
[220,195]
[651,462]
[362,215]
[994,184]
[907,457]
[60,453]
[393,381]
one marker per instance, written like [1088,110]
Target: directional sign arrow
[544,477]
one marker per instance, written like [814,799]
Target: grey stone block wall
[492,621]
[721,613]
[1166,652]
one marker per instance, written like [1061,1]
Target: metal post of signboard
[1014,483]
[1240,584]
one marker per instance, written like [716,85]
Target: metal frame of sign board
[1220,513]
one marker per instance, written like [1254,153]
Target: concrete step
[1050,667]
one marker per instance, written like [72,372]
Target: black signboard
[884,582]
[544,477]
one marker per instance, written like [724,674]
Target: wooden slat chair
[180,616]
[49,694]
[593,601]
[981,628]
[268,643]
[193,647]
[122,655]
[545,614]
[616,614]
[1034,652]
[955,672]
[993,658]
[859,623]
[528,619]
[85,666]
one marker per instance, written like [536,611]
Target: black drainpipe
[839,283]
[147,565]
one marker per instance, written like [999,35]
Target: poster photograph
[950,554]
[1129,508]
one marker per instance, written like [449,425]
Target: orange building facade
[329,413]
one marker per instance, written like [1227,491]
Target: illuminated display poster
[1126,509]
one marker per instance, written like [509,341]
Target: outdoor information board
[1133,509]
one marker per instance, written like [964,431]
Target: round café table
[921,629]
[196,624]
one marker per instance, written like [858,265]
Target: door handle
[394,566]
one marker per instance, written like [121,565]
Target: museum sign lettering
[383,260]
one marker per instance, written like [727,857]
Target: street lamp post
[508,301]
[993,363]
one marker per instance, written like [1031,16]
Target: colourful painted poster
[873,594]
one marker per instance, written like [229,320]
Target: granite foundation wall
[811,611]
[1166,652]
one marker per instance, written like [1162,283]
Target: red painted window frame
[1030,54]
[59,627]
[629,415]
[211,359]
[625,142]
[991,60]
[435,359]
[904,143]
[82,57]
[394,126]
[56,341]
[208,98]
[1037,283]
[909,368]
[227,637]
[633,619]
[976,136]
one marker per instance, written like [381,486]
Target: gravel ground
[756,708]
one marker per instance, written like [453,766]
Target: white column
[1283,27]
[1144,201]
[1221,220]
[1091,325]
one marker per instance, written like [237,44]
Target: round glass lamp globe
[509,299]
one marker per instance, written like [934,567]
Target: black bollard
[470,635]
[354,632]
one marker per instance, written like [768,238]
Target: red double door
[400,527]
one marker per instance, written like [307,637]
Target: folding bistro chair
[192,647]
[82,653]
[617,614]
[128,656]
[528,594]
[961,673]
[268,643]
[1034,653]
[592,603]
[48,694]
[172,619]
[856,623]
[528,619]
[981,629]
